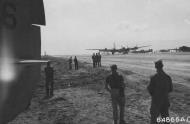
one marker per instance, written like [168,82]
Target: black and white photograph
[94,61]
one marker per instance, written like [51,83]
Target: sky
[72,26]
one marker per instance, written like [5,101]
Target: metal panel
[19,40]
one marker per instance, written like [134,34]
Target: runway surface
[175,64]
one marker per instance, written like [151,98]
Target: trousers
[157,110]
[49,88]
[118,105]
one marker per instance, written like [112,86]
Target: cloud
[126,26]
[187,21]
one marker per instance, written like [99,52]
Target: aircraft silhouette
[122,50]
[143,51]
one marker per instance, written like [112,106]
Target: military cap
[159,64]
[113,67]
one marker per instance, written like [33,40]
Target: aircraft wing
[31,61]
[94,49]
[144,46]
[102,50]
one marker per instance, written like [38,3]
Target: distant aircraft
[122,50]
[128,49]
[180,49]
[143,51]
[113,50]
[20,54]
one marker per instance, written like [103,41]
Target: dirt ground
[80,98]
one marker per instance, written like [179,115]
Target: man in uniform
[96,60]
[100,57]
[70,63]
[93,60]
[49,80]
[159,88]
[115,85]
[76,63]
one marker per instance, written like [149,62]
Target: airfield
[175,64]
[80,97]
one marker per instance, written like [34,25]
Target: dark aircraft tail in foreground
[20,54]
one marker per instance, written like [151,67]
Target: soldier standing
[159,88]
[100,57]
[96,60]
[49,79]
[70,63]
[93,60]
[76,63]
[115,85]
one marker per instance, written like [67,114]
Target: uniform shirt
[49,73]
[100,57]
[75,60]
[116,82]
[70,61]
[93,57]
[159,88]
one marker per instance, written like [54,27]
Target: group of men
[159,88]
[96,59]
[75,62]
[49,76]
